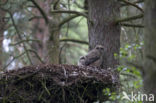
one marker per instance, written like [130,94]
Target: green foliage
[130,76]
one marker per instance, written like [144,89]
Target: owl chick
[93,58]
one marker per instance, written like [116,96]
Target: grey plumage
[81,61]
[93,58]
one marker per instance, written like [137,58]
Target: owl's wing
[92,57]
[91,60]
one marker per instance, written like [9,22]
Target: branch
[16,57]
[74,40]
[132,25]
[35,17]
[152,58]
[139,1]
[20,78]
[19,35]
[71,17]
[30,50]
[137,65]
[129,18]
[55,5]
[24,41]
[128,74]
[40,10]
[70,12]
[31,6]
[78,5]
[132,4]
[67,19]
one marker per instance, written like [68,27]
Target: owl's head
[99,48]
[81,61]
[82,58]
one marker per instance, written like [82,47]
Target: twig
[30,50]
[132,4]
[45,87]
[129,18]
[19,35]
[55,5]
[35,17]
[41,11]
[70,12]
[135,65]
[78,5]
[31,6]
[139,1]
[20,78]
[71,17]
[24,41]
[138,66]
[16,57]
[63,94]
[132,25]
[128,74]
[74,40]
[61,48]
[67,20]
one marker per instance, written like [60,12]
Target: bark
[54,30]
[53,43]
[150,48]
[102,29]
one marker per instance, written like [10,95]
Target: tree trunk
[53,43]
[102,29]
[150,48]
[54,30]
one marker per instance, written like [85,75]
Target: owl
[93,58]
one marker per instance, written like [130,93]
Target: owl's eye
[82,57]
[97,48]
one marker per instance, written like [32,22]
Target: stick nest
[56,84]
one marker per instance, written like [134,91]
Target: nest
[56,84]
